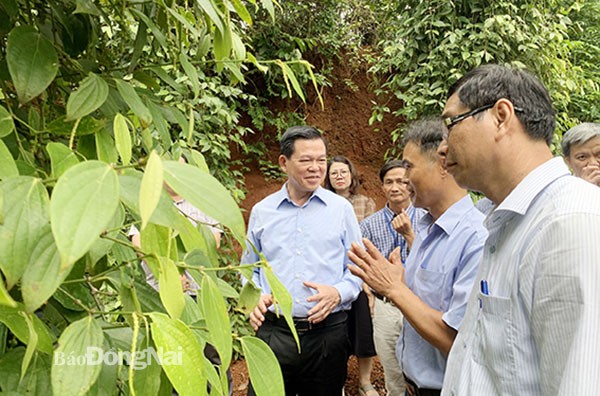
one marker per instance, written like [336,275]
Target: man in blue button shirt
[432,292]
[304,231]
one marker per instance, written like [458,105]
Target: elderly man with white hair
[581,150]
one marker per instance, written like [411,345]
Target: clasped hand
[327,298]
[374,269]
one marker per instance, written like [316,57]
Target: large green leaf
[165,214]
[105,147]
[263,367]
[7,125]
[25,216]
[152,187]
[282,298]
[75,366]
[249,297]
[33,340]
[5,298]
[159,122]
[35,382]
[86,7]
[242,11]
[169,287]
[122,138]
[268,5]
[288,73]
[8,167]
[32,62]
[213,13]
[83,203]
[91,94]
[157,241]
[43,274]
[61,158]
[206,193]
[107,381]
[191,72]
[134,102]
[174,337]
[146,379]
[222,44]
[217,319]
[14,319]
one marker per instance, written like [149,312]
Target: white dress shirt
[533,330]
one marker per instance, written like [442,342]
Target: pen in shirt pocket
[484,290]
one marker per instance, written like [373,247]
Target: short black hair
[487,84]
[286,143]
[388,166]
[426,133]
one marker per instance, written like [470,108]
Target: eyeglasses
[342,173]
[452,121]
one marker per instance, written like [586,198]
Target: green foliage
[436,42]
[96,101]
[585,55]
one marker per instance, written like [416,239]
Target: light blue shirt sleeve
[307,243]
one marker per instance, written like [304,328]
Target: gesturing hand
[401,223]
[370,265]
[327,298]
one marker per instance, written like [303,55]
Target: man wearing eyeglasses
[532,320]
[433,290]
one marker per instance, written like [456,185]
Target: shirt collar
[451,217]
[283,195]
[521,197]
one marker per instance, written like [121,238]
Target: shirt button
[493,249]
[298,301]
[299,230]
[298,252]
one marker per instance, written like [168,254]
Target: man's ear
[283,162]
[504,113]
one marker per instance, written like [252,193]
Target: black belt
[414,390]
[302,325]
[381,297]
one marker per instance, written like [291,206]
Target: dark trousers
[413,390]
[320,368]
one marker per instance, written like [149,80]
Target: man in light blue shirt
[304,231]
[433,291]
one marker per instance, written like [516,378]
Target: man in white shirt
[532,318]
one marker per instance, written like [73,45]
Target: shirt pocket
[432,288]
[495,331]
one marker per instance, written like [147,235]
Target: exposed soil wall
[345,123]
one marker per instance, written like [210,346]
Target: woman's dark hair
[354,182]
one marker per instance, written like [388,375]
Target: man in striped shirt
[532,319]
[389,228]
